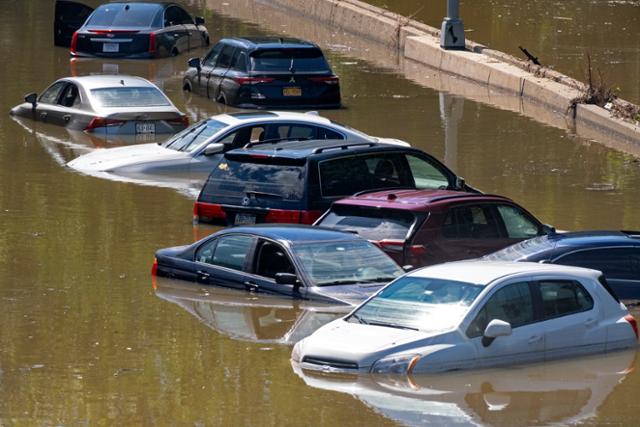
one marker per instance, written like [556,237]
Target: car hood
[102,160]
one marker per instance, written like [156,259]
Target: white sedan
[473,314]
[194,152]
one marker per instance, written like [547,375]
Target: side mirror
[548,229]
[32,99]
[199,20]
[460,183]
[496,328]
[194,63]
[407,267]
[213,148]
[288,279]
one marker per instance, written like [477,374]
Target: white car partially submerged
[473,314]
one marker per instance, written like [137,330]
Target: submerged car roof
[261,116]
[485,272]
[576,239]
[319,148]
[270,43]
[104,80]
[413,199]
[293,233]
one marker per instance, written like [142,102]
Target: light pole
[452,30]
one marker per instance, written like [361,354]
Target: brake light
[632,321]
[418,250]
[98,122]
[309,217]
[74,42]
[330,80]
[282,216]
[253,80]
[394,245]
[208,212]
[113,31]
[179,121]
[152,43]
[154,267]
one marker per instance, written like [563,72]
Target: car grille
[340,364]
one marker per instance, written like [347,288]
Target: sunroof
[256,115]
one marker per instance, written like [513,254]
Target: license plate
[145,127]
[111,47]
[244,219]
[292,91]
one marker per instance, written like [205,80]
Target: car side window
[517,224]
[239,62]
[183,17]
[244,135]
[563,297]
[51,94]
[470,222]
[615,263]
[224,59]
[171,17]
[425,174]
[227,251]
[512,303]
[295,131]
[272,259]
[212,56]
[324,133]
[70,96]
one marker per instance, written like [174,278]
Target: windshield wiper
[340,282]
[359,319]
[392,325]
[263,194]
[380,279]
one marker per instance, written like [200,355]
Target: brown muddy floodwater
[85,339]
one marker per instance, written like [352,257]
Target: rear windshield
[372,224]
[192,137]
[124,15]
[288,60]
[269,184]
[114,97]
[521,250]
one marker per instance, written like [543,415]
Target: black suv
[295,182]
[265,72]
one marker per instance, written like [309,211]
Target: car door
[195,39]
[571,319]
[175,29]
[47,109]
[224,261]
[513,303]
[271,258]
[208,63]
[218,73]
[69,16]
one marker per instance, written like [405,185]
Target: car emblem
[292,80]
[110,35]
[245,201]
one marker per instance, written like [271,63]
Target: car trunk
[114,42]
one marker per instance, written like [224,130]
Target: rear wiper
[263,194]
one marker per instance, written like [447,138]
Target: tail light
[154,267]
[98,122]
[417,250]
[253,80]
[152,43]
[309,217]
[179,121]
[632,321]
[330,80]
[208,212]
[292,217]
[392,245]
[74,42]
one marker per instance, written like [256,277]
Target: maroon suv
[423,227]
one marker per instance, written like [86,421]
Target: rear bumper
[140,55]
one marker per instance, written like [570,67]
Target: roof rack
[343,146]
[272,141]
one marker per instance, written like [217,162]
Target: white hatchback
[473,314]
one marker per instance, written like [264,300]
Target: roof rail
[632,234]
[343,146]
[374,190]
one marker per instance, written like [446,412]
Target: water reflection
[563,392]
[246,316]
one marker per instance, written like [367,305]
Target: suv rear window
[288,59]
[278,185]
[370,223]
[124,15]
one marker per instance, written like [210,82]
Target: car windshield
[124,15]
[192,137]
[119,97]
[345,262]
[288,60]
[521,250]
[371,224]
[420,303]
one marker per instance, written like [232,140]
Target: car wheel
[222,99]
[207,41]
[186,86]
[174,51]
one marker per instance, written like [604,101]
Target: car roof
[270,42]
[413,199]
[485,272]
[103,80]
[292,233]
[310,117]
[318,148]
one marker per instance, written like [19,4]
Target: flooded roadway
[85,339]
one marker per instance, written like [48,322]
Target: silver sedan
[104,105]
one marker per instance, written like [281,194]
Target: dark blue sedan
[615,253]
[296,261]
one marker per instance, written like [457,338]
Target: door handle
[43,115]
[202,274]
[66,117]
[251,286]
[589,322]
[534,339]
